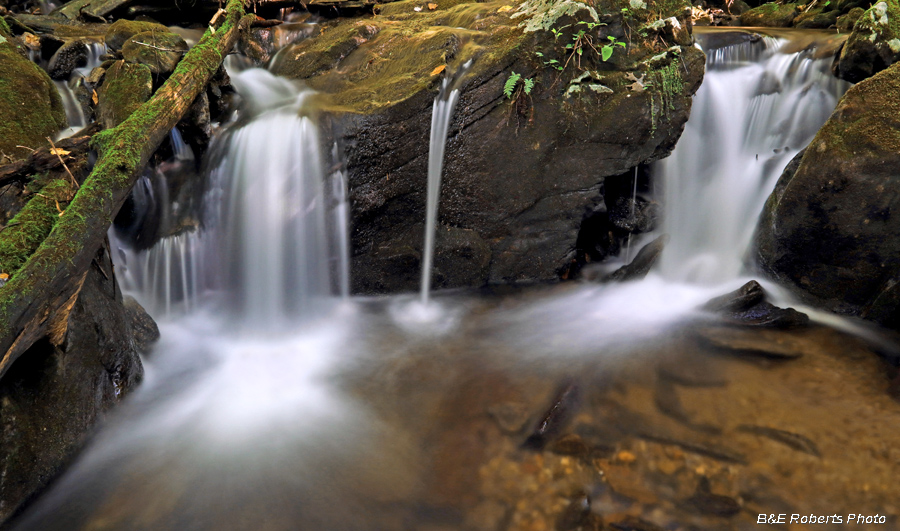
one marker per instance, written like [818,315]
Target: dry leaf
[95,98]
[638,85]
[4,276]
[58,151]
[438,70]
[432,7]
[31,40]
[504,9]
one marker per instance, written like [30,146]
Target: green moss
[770,15]
[664,86]
[125,88]
[25,232]
[30,107]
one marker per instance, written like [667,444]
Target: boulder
[122,30]
[70,56]
[816,19]
[521,171]
[30,105]
[770,15]
[873,45]
[825,231]
[846,21]
[161,52]
[55,393]
[125,87]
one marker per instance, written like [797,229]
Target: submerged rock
[822,231]
[642,263]
[520,172]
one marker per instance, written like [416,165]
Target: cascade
[261,425]
[755,110]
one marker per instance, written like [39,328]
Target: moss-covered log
[33,296]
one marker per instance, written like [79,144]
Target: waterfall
[273,236]
[74,111]
[441,115]
[755,110]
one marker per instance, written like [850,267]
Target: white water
[231,418]
[74,113]
[755,110]
[441,116]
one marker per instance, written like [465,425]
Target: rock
[381,75]
[873,45]
[144,331]
[772,344]
[633,523]
[770,15]
[125,87]
[122,30]
[846,21]
[705,502]
[563,408]
[845,6]
[822,231]
[161,52]
[634,215]
[642,263]
[792,440]
[31,108]
[816,19]
[748,295]
[70,56]
[53,395]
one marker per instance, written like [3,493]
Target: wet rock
[765,314]
[753,342]
[770,15]
[160,52]
[791,440]
[873,45]
[634,215]
[382,74]
[122,30]
[29,103]
[822,231]
[565,404]
[705,502]
[642,263]
[53,394]
[70,56]
[509,416]
[144,331]
[748,295]
[258,44]
[570,444]
[667,401]
[125,87]
[577,516]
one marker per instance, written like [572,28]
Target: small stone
[626,457]
[570,444]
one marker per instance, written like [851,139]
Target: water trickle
[441,115]
[755,110]
[74,111]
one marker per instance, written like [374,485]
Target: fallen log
[33,298]
[47,158]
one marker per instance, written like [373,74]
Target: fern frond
[510,84]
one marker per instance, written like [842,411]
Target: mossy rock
[873,45]
[30,106]
[125,87]
[816,19]
[161,52]
[122,30]
[826,231]
[846,22]
[770,15]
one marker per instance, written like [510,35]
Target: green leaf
[622,44]
[510,84]
[579,51]
[606,52]
[528,84]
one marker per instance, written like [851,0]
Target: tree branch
[33,296]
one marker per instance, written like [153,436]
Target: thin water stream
[272,404]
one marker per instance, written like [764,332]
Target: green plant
[606,50]
[512,82]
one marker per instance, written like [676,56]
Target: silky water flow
[271,402]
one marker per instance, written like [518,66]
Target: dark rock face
[823,230]
[56,392]
[873,45]
[520,174]
[69,57]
